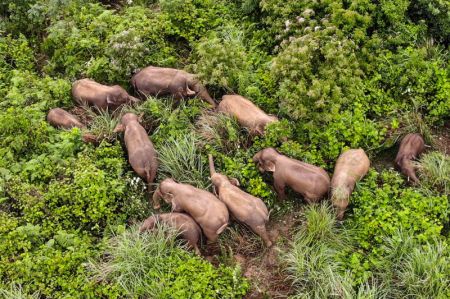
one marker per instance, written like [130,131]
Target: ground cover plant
[338,74]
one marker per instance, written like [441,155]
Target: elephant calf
[60,118]
[411,147]
[243,206]
[184,224]
[141,153]
[86,91]
[351,166]
[206,209]
[310,181]
[248,114]
[159,81]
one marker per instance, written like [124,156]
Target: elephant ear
[234,182]
[270,166]
[260,129]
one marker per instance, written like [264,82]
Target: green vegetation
[339,74]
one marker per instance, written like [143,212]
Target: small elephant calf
[245,207]
[160,81]
[141,152]
[206,209]
[248,114]
[86,91]
[184,224]
[60,118]
[351,166]
[411,147]
[310,181]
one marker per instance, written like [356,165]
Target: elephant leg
[261,231]
[279,188]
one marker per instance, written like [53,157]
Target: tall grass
[103,123]
[434,172]
[181,160]
[14,291]
[135,260]
[415,270]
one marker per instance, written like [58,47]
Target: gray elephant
[86,91]
[248,114]
[183,223]
[310,181]
[60,118]
[206,209]
[411,147]
[160,81]
[351,166]
[141,152]
[245,207]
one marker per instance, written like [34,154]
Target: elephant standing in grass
[310,181]
[183,223]
[351,166]
[141,152]
[86,91]
[206,209]
[245,207]
[160,81]
[411,147]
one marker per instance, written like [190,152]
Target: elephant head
[165,191]
[266,159]
[126,119]
[149,223]
[219,179]
[195,87]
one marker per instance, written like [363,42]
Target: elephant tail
[222,228]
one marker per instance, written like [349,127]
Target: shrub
[152,265]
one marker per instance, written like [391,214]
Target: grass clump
[153,265]
[181,160]
[434,172]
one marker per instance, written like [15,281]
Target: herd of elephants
[195,210]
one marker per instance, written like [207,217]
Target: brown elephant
[245,207]
[160,81]
[248,114]
[351,166]
[141,152]
[86,91]
[206,209]
[411,147]
[310,181]
[183,223]
[60,118]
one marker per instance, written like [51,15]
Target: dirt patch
[82,115]
[261,265]
[443,138]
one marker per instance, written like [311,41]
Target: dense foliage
[339,74]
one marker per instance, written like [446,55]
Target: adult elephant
[161,81]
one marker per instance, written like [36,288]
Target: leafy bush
[152,265]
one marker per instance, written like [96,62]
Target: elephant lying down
[183,223]
[245,207]
[60,118]
[160,81]
[206,209]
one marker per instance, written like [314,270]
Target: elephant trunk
[156,196]
[212,169]
[203,93]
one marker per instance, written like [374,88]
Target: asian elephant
[310,181]
[183,223]
[245,207]
[411,147]
[160,81]
[141,152]
[60,118]
[206,209]
[86,91]
[248,114]
[351,166]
